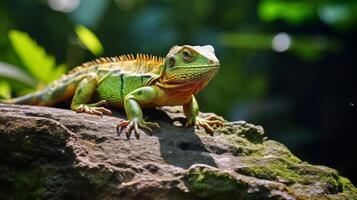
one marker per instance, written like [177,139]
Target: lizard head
[190,64]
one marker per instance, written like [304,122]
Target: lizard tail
[29,99]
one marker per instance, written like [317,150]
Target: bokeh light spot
[64,5]
[281,42]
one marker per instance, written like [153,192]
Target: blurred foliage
[307,47]
[338,14]
[291,11]
[5,90]
[40,69]
[284,64]
[40,65]
[89,40]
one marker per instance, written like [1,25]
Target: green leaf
[89,40]
[5,90]
[291,11]
[34,57]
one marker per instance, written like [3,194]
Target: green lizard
[133,83]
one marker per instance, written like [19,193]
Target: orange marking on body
[69,91]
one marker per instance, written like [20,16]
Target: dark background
[289,66]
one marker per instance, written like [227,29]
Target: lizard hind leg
[83,95]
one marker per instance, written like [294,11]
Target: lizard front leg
[191,110]
[136,122]
[83,95]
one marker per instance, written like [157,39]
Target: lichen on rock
[50,153]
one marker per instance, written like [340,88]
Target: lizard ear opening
[171,62]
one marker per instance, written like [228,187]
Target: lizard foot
[135,126]
[208,122]
[94,109]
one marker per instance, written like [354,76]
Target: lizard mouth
[216,65]
[192,73]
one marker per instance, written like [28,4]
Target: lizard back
[141,64]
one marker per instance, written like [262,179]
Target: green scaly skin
[136,82]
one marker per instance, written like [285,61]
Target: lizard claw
[100,111]
[208,123]
[135,127]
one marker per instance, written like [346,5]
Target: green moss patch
[30,183]
[209,184]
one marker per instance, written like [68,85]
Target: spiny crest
[127,57]
[139,59]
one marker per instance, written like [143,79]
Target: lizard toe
[103,110]
[152,124]
[135,127]
[207,127]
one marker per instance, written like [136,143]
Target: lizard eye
[187,55]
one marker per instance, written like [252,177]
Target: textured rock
[51,153]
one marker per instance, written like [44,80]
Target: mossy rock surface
[49,153]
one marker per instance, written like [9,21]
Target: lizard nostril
[210,61]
